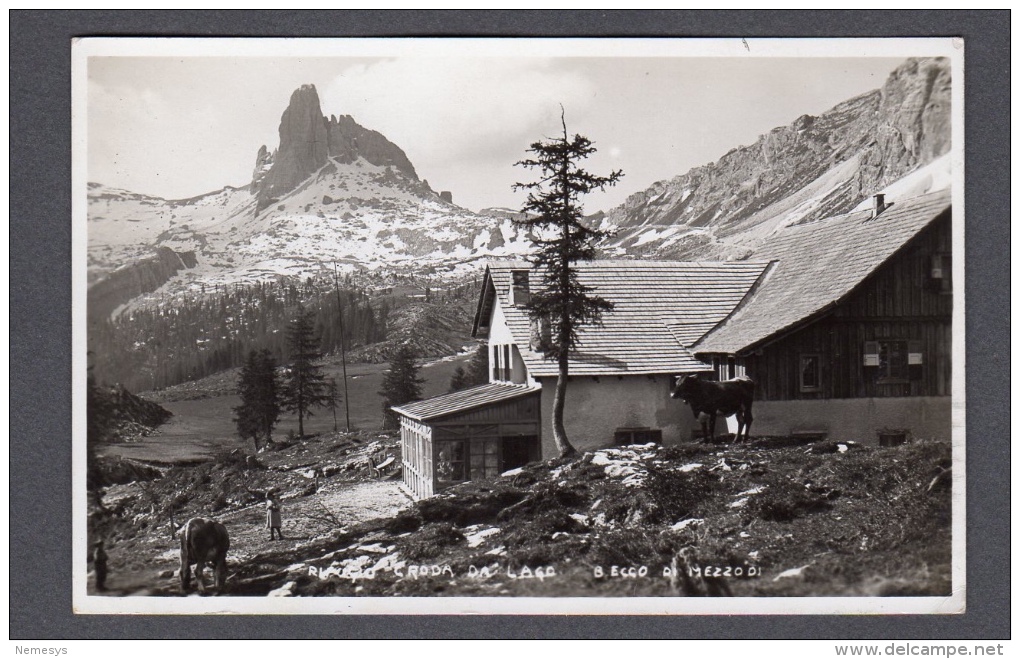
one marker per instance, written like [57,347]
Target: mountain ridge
[337,192]
[308,140]
[845,154]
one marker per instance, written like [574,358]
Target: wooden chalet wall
[416,456]
[523,409]
[501,421]
[900,301]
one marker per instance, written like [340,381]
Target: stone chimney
[877,205]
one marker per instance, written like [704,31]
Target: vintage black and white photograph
[518,326]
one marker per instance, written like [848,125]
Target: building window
[450,462]
[892,437]
[506,362]
[718,369]
[810,373]
[484,458]
[726,367]
[942,272]
[627,436]
[502,364]
[893,361]
[520,293]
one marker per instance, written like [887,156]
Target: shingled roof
[817,265]
[661,307]
[465,399]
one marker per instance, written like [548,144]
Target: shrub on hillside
[680,452]
[469,507]
[540,528]
[403,522]
[678,495]
[784,500]
[104,472]
[546,497]
[631,547]
[433,540]
[237,459]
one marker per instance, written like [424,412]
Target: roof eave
[782,333]
[634,372]
[486,281]
[825,310]
[770,267]
[424,418]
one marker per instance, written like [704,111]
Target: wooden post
[343,349]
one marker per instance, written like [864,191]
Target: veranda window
[810,373]
[484,458]
[450,462]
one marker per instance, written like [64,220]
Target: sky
[177,127]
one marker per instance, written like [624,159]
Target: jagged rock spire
[308,140]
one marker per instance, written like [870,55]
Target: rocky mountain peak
[308,140]
[915,100]
[811,168]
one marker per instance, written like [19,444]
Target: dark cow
[203,541]
[708,398]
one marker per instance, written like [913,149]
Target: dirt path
[307,518]
[156,556]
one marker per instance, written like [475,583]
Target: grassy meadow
[202,426]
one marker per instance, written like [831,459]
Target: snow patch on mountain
[936,175]
[358,214]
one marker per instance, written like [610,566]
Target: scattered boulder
[286,590]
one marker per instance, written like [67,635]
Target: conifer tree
[554,216]
[401,384]
[478,367]
[258,387]
[304,385]
[458,380]
[99,418]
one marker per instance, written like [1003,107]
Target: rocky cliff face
[308,140]
[130,281]
[333,192]
[814,167]
[263,163]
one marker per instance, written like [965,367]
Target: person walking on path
[99,559]
[273,516]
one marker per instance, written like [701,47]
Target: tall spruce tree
[553,214]
[401,384]
[304,385]
[258,386]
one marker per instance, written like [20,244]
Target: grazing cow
[203,541]
[708,398]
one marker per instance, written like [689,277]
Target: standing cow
[203,541]
[708,398]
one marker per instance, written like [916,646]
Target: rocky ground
[325,485]
[765,518]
